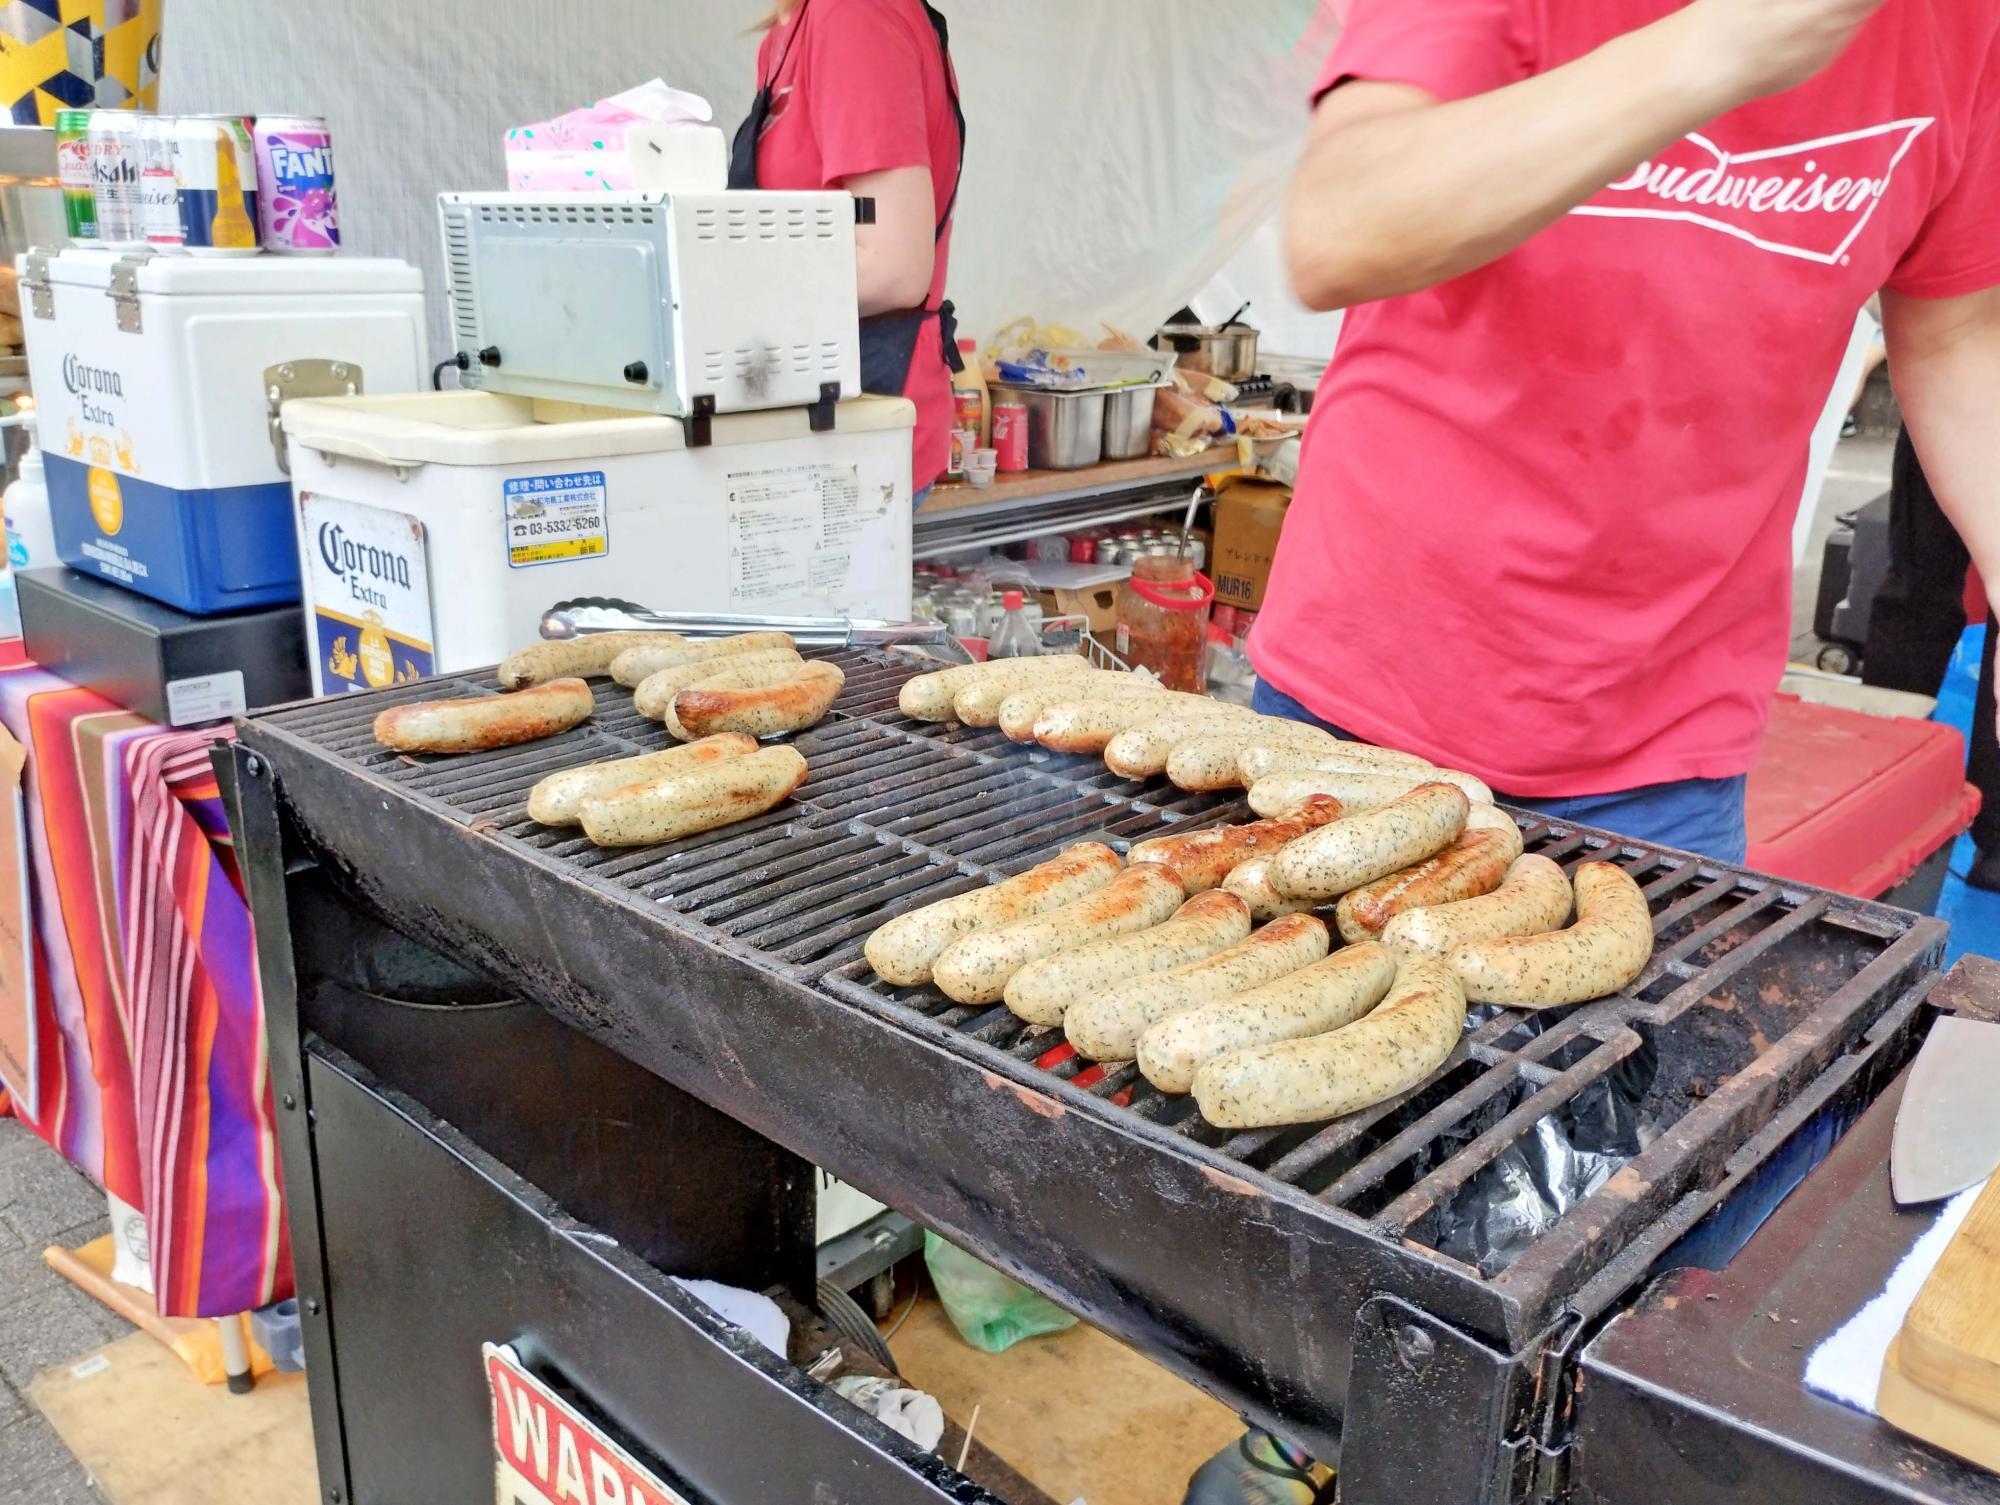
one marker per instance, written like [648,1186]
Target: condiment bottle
[1163,620]
[1015,637]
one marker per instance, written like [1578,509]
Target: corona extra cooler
[155,419]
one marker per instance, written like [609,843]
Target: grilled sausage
[1605,950]
[480,722]
[667,656]
[1043,991]
[1330,861]
[1323,996]
[976,968]
[1024,706]
[904,950]
[1076,725]
[1141,751]
[931,697]
[1275,774]
[980,704]
[1204,858]
[636,665]
[1214,761]
[1387,1052]
[1108,1027]
[1534,898]
[558,799]
[575,658]
[697,799]
[1262,756]
[1251,882]
[654,695]
[762,710]
[1475,864]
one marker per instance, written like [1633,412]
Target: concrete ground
[45,1321]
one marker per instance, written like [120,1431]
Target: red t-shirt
[863,90]
[1542,526]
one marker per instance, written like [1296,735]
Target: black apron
[888,339]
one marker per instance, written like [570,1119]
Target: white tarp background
[1121,152]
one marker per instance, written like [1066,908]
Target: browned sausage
[479,722]
[1204,858]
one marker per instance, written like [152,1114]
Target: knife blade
[1947,1134]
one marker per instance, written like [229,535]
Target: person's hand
[1768,46]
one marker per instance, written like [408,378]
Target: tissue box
[598,149]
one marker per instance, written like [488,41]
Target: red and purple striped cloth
[152,1065]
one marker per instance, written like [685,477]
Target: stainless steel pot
[1065,429]
[1228,351]
[1128,422]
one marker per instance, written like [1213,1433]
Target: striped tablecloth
[152,1065]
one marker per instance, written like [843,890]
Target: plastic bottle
[971,402]
[31,536]
[1016,636]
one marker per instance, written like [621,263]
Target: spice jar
[1163,620]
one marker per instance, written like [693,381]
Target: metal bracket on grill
[123,290]
[312,378]
[35,278]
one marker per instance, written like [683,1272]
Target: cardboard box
[1249,516]
[1098,603]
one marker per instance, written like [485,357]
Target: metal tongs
[588,614]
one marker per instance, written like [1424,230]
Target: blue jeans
[1696,815]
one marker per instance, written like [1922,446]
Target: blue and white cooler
[155,421]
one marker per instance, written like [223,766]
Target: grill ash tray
[1762,999]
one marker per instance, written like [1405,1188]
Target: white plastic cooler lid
[497,428]
[239,276]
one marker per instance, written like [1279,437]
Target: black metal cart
[524,1079]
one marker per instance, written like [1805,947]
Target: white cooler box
[155,424]
[435,529]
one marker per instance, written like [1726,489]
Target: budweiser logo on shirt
[1811,200]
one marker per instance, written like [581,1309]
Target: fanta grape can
[299,211]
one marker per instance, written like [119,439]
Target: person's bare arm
[1944,358]
[894,257]
[1398,191]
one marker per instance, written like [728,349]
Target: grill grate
[895,813]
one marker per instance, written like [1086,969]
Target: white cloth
[910,1413]
[1847,1367]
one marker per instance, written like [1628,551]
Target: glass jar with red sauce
[1163,620]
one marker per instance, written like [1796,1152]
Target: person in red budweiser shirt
[1601,260]
[860,95]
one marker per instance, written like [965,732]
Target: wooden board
[150,1433]
[956,496]
[1941,1380]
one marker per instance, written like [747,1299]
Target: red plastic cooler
[1867,805]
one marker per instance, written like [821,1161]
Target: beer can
[215,177]
[79,190]
[299,212]
[117,156]
[1010,435]
[159,195]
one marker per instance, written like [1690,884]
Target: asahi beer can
[215,174]
[159,195]
[79,190]
[298,208]
[117,156]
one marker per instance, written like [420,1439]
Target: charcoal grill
[1294,1273]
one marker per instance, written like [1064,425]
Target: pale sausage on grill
[635,666]
[681,803]
[1322,996]
[1043,991]
[933,697]
[1388,1051]
[976,968]
[1142,750]
[903,951]
[558,799]
[654,695]
[1330,861]
[1204,858]
[1214,761]
[980,704]
[484,721]
[759,703]
[1535,897]
[1251,882]
[1475,864]
[1279,778]
[1075,724]
[575,658]
[1108,1027]
[1605,950]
